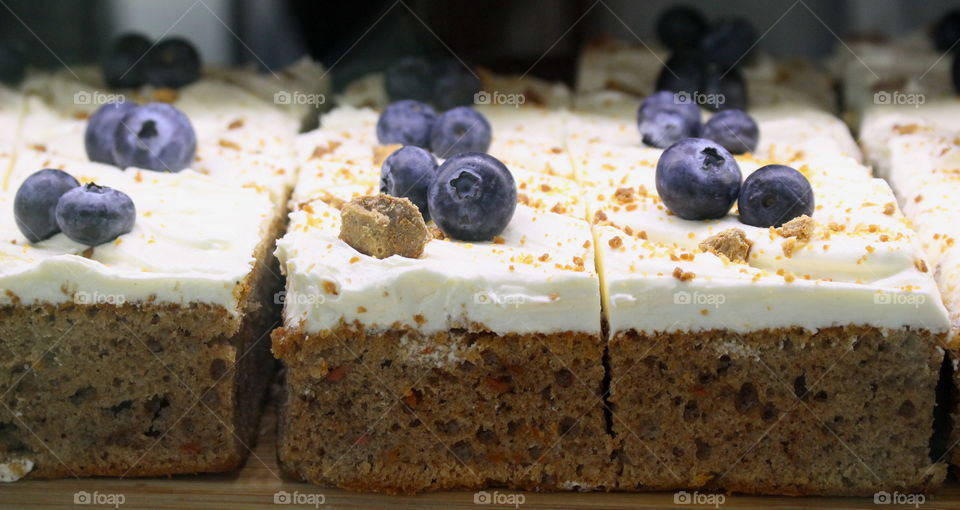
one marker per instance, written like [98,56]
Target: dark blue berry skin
[99,137]
[409,172]
[728,84]
[698,179]
[664,121]
[473,197]
[155,136]
[172,63]
[774,195]
[683,72]
[946,32]
[124,61]
[13,61]
[35,205]
[729,43]
[734,130]
[93,215]
[406,122]
[410,78]
[454,85]
[461,129]
[955,72]
[681,28]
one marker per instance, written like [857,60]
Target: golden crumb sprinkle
[731,244]
[889,208]
[165,95]
[801,227]
[319,151]
[921,265]
[623,195]
[543,258]
[918,198]
[499,240]
[615,242]
[382,152]
[682,275]
[330,288]
[228,144]
[361,309]
[236,124]
[599,217]
[586,245]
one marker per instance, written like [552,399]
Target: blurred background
[357,37]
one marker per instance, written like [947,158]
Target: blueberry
[683,72]
[99,136]
[123,61]
[703,81]
[406,122]
[774,195]
[13,61]
[955,72]
[473,197]
[155,136]
[408,173]
[681,27]
[461,129]
[729,43]
[946,32]
[410,78]
[663,120]
[172,63]
[697,179]
[454,85]
[94,215]
[34,206]
[734,130]
[724,90]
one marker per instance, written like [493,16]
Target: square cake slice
[475,364]
[147,355]
[798,360]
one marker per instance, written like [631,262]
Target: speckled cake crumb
[381,226]
[731,243]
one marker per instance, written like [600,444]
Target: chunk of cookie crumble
[731,243]
[382,225]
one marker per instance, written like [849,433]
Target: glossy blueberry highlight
[461,129]
[774,195]
[99,137]
[408,173]
[35,204]
[155,136]
[473,197]
[698,179]
[406,122]
[734,130]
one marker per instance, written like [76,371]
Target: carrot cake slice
[739,340]
[455,364]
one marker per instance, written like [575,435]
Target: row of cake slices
[587,166]
[590,228]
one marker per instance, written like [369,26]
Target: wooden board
[260,481]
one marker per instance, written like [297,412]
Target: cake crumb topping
[731,244]
[801,228]
[382,225]
[382,152]
[682,275]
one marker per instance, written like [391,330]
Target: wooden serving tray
[259,484]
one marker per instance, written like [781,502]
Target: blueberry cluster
[154,136]
[133,60]
[472,196]
[446,83]
[706,57]
[699,179]
[52,201]
[664,119]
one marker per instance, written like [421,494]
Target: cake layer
[194,241]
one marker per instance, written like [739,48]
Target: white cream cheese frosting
[193,241]
[538,277]
[862,266]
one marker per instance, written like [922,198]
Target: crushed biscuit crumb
[682,275]
[731,243]
[382,226]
